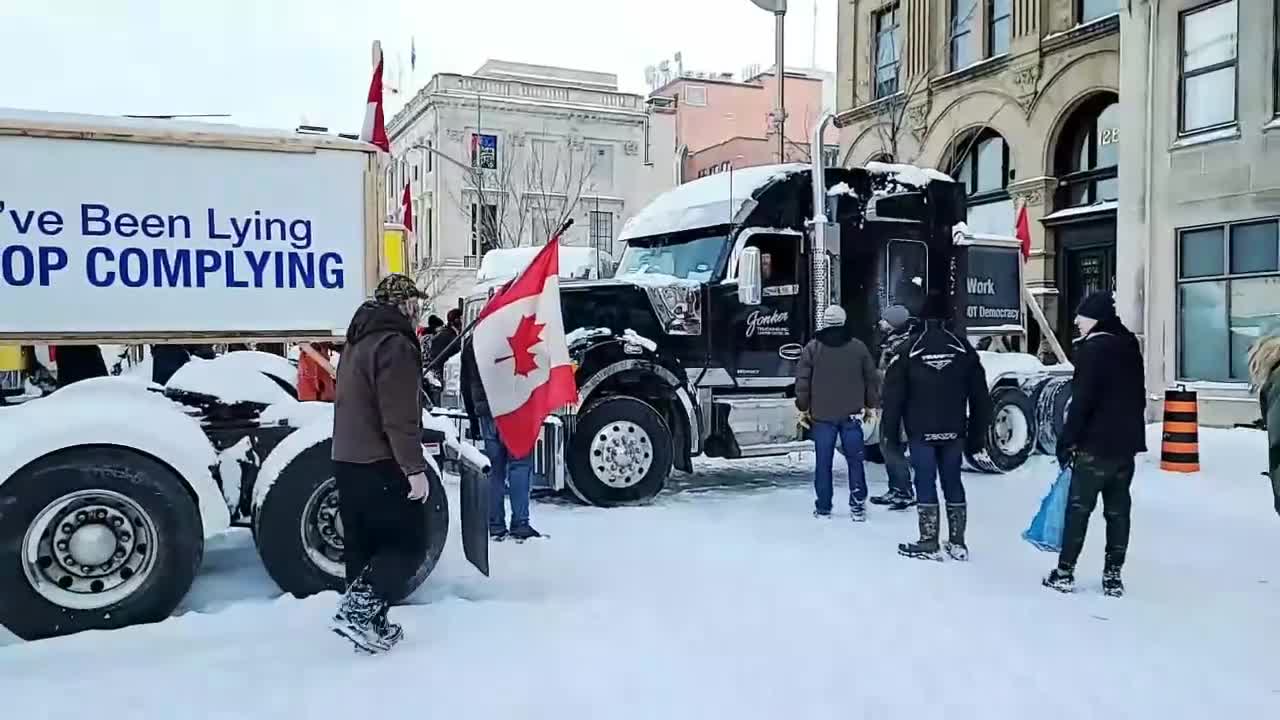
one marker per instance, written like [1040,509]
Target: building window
[1088,154]
[484,151]
[601,230]
[1228,289]
[1090,10]
[427,161]
[425,225]
[981,162]
[695,95]
[1208,63]
[484,228]
[831,156]
[999,26]
[964,18]
[888,51]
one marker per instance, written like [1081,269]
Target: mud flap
[475,517]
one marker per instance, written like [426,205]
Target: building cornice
[1080,34]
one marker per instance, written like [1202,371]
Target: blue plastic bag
[1045,531]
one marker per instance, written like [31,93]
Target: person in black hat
[1105,429]
[898,326]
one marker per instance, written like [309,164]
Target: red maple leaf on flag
[528,333]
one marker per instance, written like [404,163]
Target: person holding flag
[515,372]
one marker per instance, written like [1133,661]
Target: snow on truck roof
[726,197]
[16,121]
[504,263]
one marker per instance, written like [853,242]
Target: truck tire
[299,532]
[116,535]
[621,453]
[1052,414]
[1012,435]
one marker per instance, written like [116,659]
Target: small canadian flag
[375,127]
[521,353]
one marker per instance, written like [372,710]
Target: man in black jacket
[928,387]
[898,326]
[1105,429]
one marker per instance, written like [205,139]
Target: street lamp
[779,10]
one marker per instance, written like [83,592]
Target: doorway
[1086,263]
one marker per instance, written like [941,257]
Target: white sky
[276,62]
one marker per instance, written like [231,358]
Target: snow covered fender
[120,412]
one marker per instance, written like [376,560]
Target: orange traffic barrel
[1180,442]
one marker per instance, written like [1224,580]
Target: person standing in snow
[1264,374]
[508,476]
[441,346]
[928,386]
[898,325]
[1105,429]
[379,463]
[836,384]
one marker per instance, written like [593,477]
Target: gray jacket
[836,376]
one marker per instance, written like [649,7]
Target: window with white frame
[695,95]
[601,230]
[964,23]
[1228,289]
[1090,10]
[888,50]
[1207,59]
[484,228]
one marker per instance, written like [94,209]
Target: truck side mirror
[749,281]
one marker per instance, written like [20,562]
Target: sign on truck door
[103,238]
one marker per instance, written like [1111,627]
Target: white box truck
[128,231]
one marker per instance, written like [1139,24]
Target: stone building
[498,158]
[1017,99]
[1199,259]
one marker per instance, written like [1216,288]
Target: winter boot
[1112,585]
[957,518]
[903,501]
[888,498]
[821,514]
[356,616]
[520,533]
[498,535]
[857,512]
[926,548]
[1062,579]
[389,633]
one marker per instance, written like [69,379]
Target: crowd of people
[929,395]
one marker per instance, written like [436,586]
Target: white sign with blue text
[118,237]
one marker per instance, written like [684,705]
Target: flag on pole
[375,128]
[406,209]
[1023,232]
[521,353]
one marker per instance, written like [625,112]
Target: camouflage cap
[397,288]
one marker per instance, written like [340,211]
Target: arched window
[1087,158]
[980,161]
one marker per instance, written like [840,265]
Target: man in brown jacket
[379,463]
[837,383]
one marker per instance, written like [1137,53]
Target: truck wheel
[1012,435]
[1052,414]
[299,531]
[621,453]
[95,538]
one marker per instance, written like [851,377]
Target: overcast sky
[277,62]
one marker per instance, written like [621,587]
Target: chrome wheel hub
[89,549]
[621,454]
[322,529]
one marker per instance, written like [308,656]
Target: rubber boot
[926,548]
[957,519]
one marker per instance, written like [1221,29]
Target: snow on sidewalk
[726,599]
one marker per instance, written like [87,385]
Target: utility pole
[779,10]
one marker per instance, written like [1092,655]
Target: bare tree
[555,184]
[491,201]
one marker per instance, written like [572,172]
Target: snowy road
[727,600]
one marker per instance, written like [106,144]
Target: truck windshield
[687,260]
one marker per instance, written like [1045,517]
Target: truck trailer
[128,232]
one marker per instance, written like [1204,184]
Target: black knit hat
[1098,305]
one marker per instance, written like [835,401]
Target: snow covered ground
[725,599]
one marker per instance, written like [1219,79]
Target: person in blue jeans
[837,384]
[508,476]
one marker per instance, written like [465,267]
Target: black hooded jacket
[1107,417]
[937,387]
[377,414]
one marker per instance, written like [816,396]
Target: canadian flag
[521,353]
[375,128]
[406,209]
[1022,231]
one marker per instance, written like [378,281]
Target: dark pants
[895,463]
[384,533]
[849,432]
[1092,476]
[934,464]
